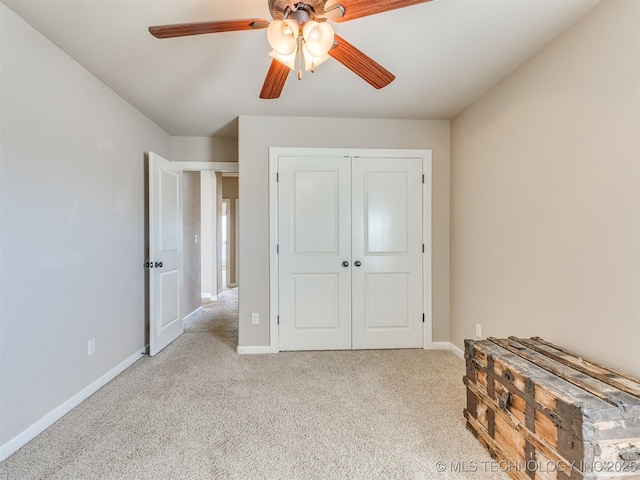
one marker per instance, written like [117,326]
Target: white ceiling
[444,54]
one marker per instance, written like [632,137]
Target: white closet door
[387,246]
[314,240]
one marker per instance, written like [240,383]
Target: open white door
[165,252]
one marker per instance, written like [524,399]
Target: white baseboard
[256,350]
[445,346]
[232,285]
[188,318]
[50,418]
[456,350]
[250,350]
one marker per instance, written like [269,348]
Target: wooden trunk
[545,413]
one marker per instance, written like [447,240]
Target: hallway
[219,317]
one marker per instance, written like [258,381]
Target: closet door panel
[387,246]
[314,241]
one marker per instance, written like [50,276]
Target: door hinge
[278,249]
[423,178]
[423,248]
[277,177]
[423,318]
[278,319]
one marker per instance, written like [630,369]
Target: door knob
[357,263]
[158,264]
[345,264]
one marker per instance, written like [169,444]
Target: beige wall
[230,187]
[257,134]
[73,228]
[191,248]
[204,149]
[545,230]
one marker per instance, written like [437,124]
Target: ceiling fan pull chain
[299,57]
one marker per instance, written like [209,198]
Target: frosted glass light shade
[311,61]
[283,36]
[288,60]
[318,37]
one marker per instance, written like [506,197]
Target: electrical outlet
[478,330]
[91,346]
[255,318]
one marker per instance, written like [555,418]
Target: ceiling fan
[300,34]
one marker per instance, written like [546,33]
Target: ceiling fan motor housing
[301,12]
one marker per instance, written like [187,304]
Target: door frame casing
[225,167]
[425,155]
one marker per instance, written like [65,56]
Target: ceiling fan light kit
[288,39]
[318,38]
[300,33]
[283,36]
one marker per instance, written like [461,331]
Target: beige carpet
[218,316]
[198,410]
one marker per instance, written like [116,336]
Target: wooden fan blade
[276,78]
[362,65]
[186,29]
[361,8]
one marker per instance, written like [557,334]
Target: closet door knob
[345,264]
[357,263]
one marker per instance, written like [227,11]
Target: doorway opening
[219,233]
